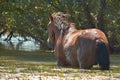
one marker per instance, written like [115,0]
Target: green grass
[43,63]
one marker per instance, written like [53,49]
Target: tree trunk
[87,13]
[9,36]
[3,32]
[101,15]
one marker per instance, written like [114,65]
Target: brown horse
[77,48]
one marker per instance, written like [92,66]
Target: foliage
[30,17]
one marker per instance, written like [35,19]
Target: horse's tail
[103,56]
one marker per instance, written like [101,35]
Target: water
[18,43]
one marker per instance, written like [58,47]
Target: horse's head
[51,33]
[58,25]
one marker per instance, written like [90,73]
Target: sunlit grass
[44,64]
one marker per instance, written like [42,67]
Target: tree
[30,17]
[101,15]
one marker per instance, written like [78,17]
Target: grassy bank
[41,65]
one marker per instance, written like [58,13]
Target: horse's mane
[62,21]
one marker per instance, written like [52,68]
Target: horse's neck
[60,36]
[71,29]
[59,43]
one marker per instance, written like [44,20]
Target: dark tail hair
[103,56]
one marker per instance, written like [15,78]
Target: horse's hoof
[62,63]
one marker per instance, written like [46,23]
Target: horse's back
[91,38]
[81,46]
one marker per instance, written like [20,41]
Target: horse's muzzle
[50,44]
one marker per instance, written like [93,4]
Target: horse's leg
[84,59]
[61,62]
[79,56]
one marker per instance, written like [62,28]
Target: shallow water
[18,43]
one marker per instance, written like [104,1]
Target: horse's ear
[51,17]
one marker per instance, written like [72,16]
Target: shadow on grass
[115,59]
[45,58]
[37,56]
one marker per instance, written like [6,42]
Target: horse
[77,48]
